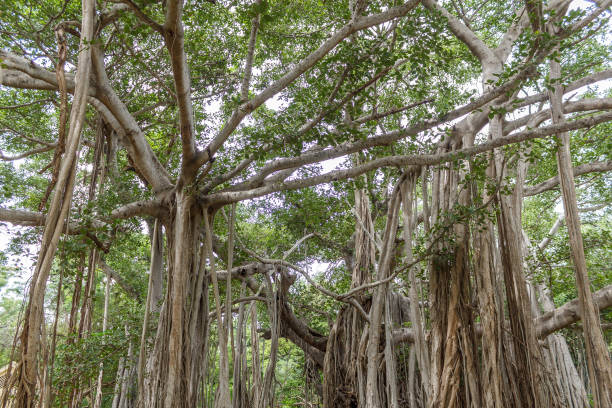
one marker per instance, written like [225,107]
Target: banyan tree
[265,203]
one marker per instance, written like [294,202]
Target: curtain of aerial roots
[25,376]
[154,296]
[556,352]
[535,385]
[419,352]
[354,373]
[344,373]
[175,367]
[454,379]
[96,181]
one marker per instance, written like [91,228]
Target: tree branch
[222,198]
[545,325]
[543,96]
[570,313]
[112,274]
[26,154]
[596,167]
[463,33]
[303,66]
[175,42]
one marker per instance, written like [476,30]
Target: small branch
[22,105]
[26,154]
[143,17]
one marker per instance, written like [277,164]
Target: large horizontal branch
[26,154]
[546,324]
[570,313]
[154,208]
[222,198]
[17,79]
[36,219]
[596,167]
[584,81]
[318,155]
[22,217]
[582,105]
[27,218]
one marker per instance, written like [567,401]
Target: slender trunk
[85,318]
[58,211]
[118,381]
[420,346]
[391,372]
[240,389]
[153,298]
[124,398]
[228,324]
[48,390]
[267,392]
[222,398]
[98,401]
[411,378]
[255,360]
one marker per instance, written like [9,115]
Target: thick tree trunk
[175,370]
[598,358]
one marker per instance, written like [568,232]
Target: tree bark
[58,211]
[422,354]
[152,303]
[598,358]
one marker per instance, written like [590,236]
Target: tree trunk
[175,370]
[598,358]
[34,316]
[373,391]
[98,401]
[152,303]
[422,354]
